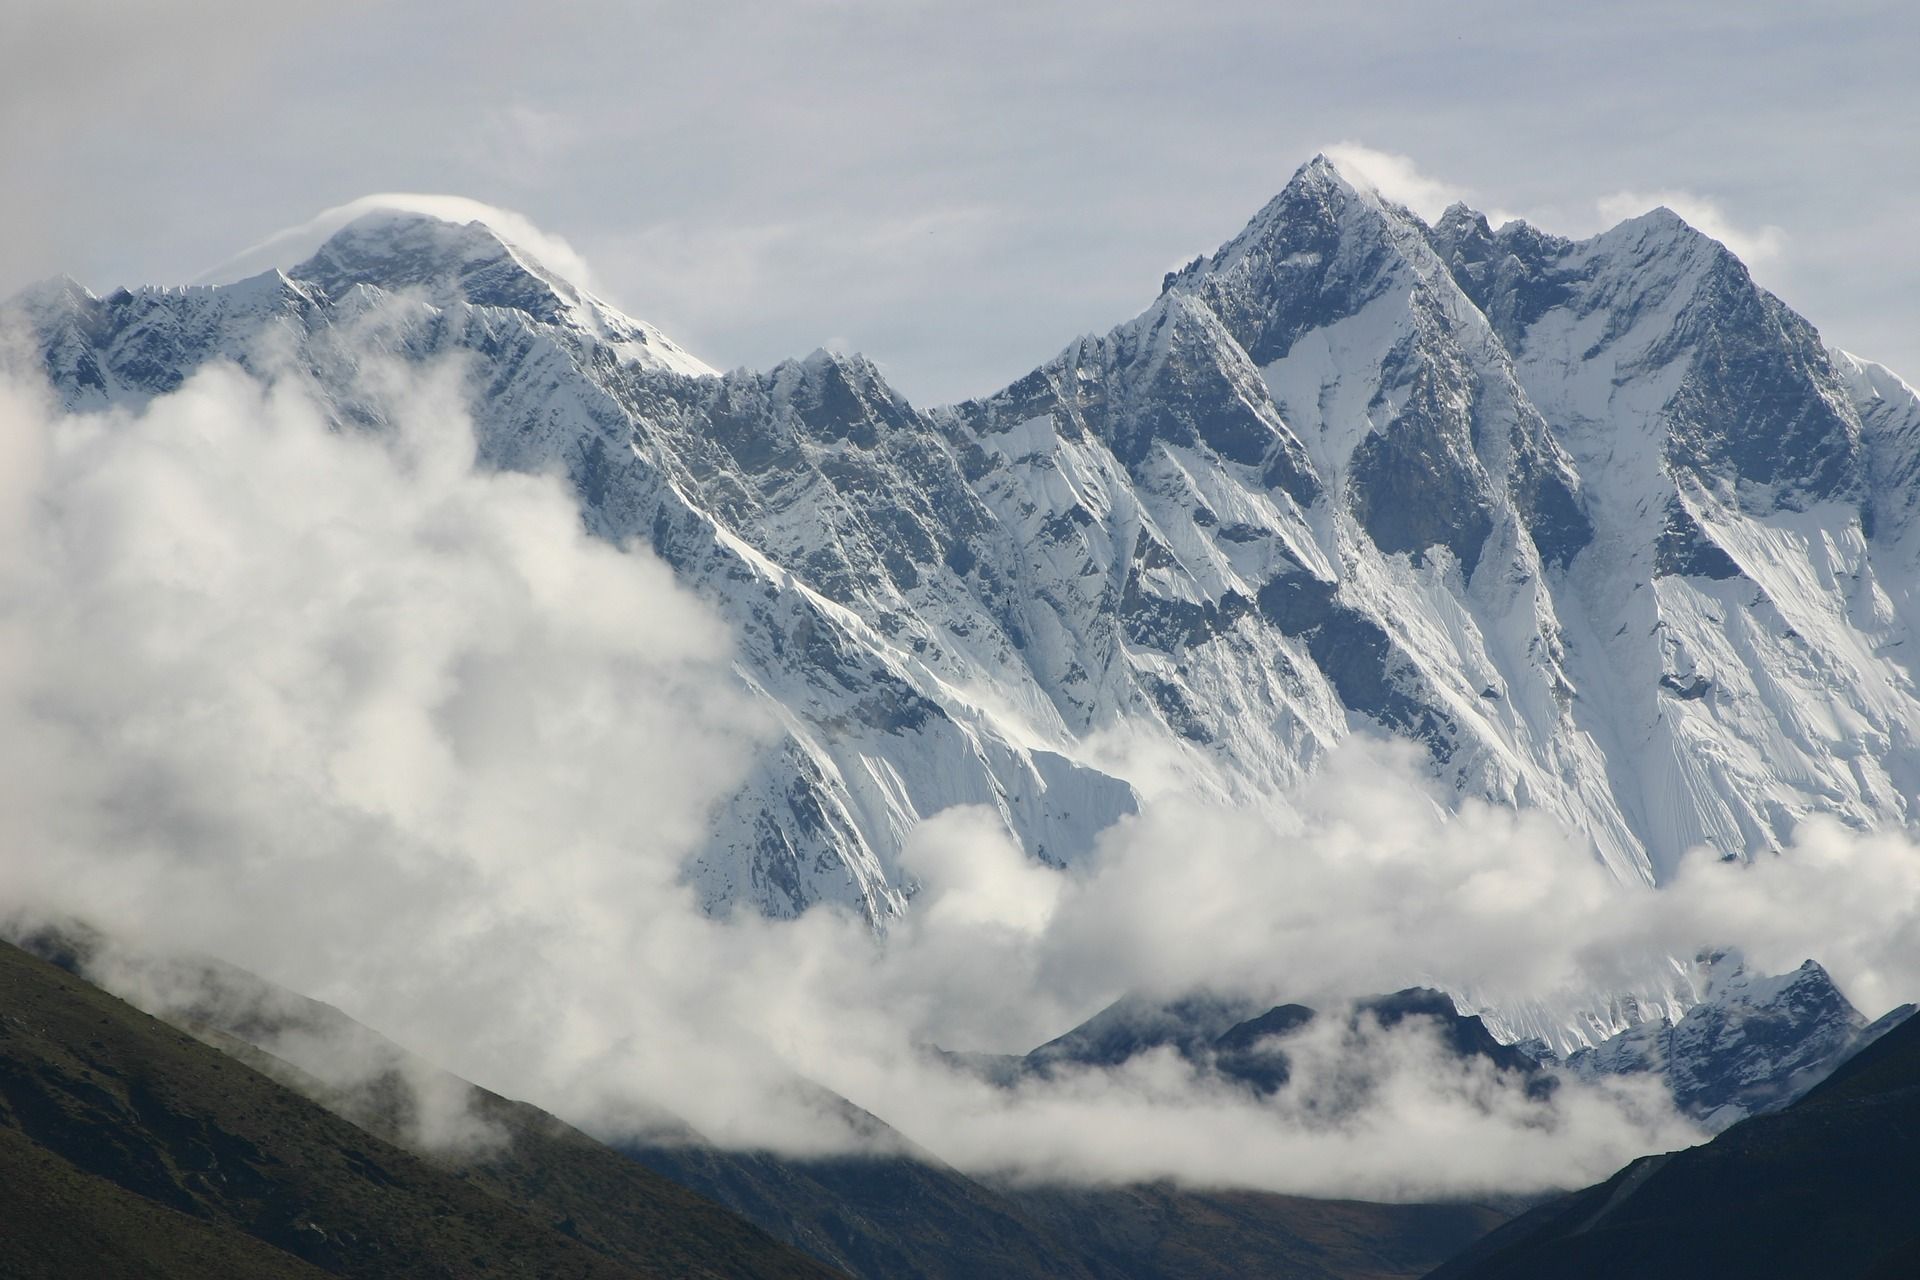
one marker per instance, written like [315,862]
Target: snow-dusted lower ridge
[1752,1043]
[1600,523]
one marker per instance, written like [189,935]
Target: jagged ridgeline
[1601,524]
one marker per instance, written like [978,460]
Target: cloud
[335,705]
[1755,246]
[1396,177]
[1382,1114]
[292,245]
[1400,179]
[977,877]
[344,709]
[1380,887]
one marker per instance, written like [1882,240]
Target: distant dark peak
[1277,1021]
[1136,1024]
[1460,222]
[1250,1053]
[447,261]
[1465,1034]
[1827,1187]
[1409,1002]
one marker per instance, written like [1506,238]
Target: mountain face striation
[1601,524]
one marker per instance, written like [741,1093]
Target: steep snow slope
[1599,523]
[1728,609]
[1753,1043]
[1329,485]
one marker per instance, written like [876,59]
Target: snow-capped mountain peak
[449,262]
[1599,523]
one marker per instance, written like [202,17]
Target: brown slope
[116,1096]
[878,1216]
[54,1215]
[1161,1232]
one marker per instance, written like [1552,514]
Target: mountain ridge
[1493,491]
[894,1209]
[1824,1188]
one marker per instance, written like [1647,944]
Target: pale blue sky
[956,189]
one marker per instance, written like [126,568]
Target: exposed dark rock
[1685,549]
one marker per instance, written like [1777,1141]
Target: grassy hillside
[1827,1189]
[145,1144]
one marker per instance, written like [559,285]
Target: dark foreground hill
[902,1214]
[881,1218]
[128,1148]
[1827,1189]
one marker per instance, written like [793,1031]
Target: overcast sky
[957,189]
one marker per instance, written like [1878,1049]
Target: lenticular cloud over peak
[291,245]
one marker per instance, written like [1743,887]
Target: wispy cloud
[289,246]
[1396,177]
[1753,245]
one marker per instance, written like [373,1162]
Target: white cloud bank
[340,708]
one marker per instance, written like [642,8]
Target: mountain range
[1600,523]
[227,1139]
[255,1131]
